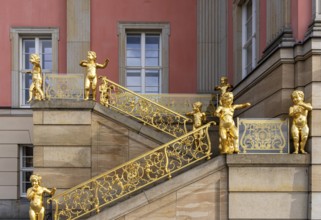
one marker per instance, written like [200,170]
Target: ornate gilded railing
[133,176]
[143,109]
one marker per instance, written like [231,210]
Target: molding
[284,39]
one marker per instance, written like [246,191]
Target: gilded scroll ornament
[91,76]
[264,135]
[35,196]
[133,176]
[105,90]
[150,113]
[299,113]
[228,134]
[35,89]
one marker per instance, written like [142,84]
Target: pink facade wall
[180,14]
[30,13]
[301,18]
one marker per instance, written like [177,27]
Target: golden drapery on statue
[35,196]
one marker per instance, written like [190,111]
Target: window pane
[133,50]
[152,81]
[152,50]
[152,42]
[133,41]
[27,151]
[249,54]
[46,54]
[26,165]
[152,62]
[152,53]
[248,10]
[249,29]
[27,80]
[133,62]
[25,182]
[133,80]
[133,53]
[27,64]
[28,48]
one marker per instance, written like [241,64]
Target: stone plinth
[268,186]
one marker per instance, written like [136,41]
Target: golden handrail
[145,110]
[133,175]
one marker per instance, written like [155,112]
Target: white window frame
[163,29]
[142,68]
[247,42]
[16,34]
[23,169]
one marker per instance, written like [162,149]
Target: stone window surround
[15,35]
[163,28]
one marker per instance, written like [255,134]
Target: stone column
[78,33]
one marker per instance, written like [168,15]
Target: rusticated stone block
[62,135]
[67,156]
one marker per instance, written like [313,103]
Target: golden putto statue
[228,134]
[224,85]
[35,196]
[35,89]
[299,113]
[91,76]
[198,116]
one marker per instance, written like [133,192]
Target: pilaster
[78,33]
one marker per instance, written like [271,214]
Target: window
[25,41]
[143,49]
[143,63]
[29,45]
[248,37]
[26,168]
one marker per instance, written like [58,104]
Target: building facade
[267,48]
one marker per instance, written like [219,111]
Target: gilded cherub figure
[228,135]
[198,118]
[35,196]
[105,91]
[91,76]
[299,113]
[224,85]
[35,89]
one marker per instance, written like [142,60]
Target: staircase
[185,150]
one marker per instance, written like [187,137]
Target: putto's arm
[83,63]
[307,106]
[102,66]
[240,106]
